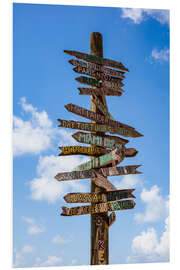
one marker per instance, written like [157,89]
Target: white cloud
[162,55]
[33,228]
[46,187]
[52,261]
[138,15]
[19,255]
[58,239]
[161,16]
[27,249]
[36,134]
[156,206]
[128,181]
[147,248]
[135,14]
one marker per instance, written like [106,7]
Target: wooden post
[99,222]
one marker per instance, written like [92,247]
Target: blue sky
[43,82]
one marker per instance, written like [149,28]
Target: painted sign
[98,83]
[99,197]
[111,171]
[96,117]
[103,141]
[98,128]
[101,107]
[97,60]
[114,157]
[97,68]
[98,208]
[98,75]
[81,150]
[97,91]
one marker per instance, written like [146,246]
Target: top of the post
[96,44]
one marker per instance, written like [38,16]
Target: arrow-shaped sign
[98,83]
[98,208]
[111,171]
[97,91]
[95,116]
[98,75]
[114,157]
[98,128]
[82,150]
[103,141]
[97,68]
[97,60]
[99,197]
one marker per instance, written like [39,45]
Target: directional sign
[98,208]
[101,107]
[97,91]
[111,171]
[81,150]
[97,60]
[98,128]
[97,68]
[99,197]
[98,75]
[114,157]
[98,83]
[103,141]
[95,116]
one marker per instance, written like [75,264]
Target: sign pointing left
[98,208]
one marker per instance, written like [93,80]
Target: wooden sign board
[103,141]
[101,107]
[93,127]
[81,150]
[97,60]
[104,84]
[97,91]
[98,208]
[96,117]
[114,157]
[99,197]
[111,171]
[97,68]
[98,75]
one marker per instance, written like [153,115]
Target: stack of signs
[107,151]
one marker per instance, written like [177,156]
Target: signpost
[98,208]
[99,197]
[114,157]
[98,128]
[105,151]
[97,60]
[81,150]
[103,141]
[105,84]
[98,75]
[96,117]
[97,91]
[97,68]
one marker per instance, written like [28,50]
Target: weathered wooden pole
[99,222]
